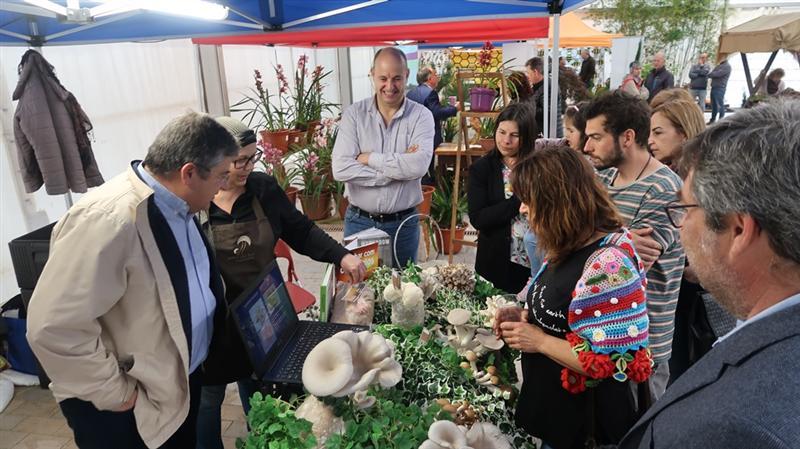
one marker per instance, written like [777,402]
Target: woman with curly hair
[584,333]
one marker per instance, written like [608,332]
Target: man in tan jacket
[123,315]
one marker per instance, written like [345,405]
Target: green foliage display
[431,370]
[385,425]
[441,202]
[273,425]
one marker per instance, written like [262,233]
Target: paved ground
[33,419]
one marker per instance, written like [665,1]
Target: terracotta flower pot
[311,129]
[291,193]
[481,99]
[445,245]
[425,206]
[486,143]
[283,139]
[316,208]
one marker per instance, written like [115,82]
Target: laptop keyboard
[308,338]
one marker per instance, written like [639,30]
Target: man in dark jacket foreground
[746,252]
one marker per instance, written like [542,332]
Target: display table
[446,156]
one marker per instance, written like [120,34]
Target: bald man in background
[659,77]
[381,154]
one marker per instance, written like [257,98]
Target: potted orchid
[273,163]
[482,96]
[315,197]
[307,98]
[269,113]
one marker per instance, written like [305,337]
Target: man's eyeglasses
[245,161]
[677,213]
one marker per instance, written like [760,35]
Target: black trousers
[102,429]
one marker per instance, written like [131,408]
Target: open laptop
[276,340]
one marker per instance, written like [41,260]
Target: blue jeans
[209,418]
[699,96]
[407,239]
[717,103]
[533,255]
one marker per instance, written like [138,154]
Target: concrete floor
[33,419]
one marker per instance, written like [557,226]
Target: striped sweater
[641,204]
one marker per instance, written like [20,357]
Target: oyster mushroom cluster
[493,303]
[457,277]
[349,362]
[407,300]
[448,435]
[463,336]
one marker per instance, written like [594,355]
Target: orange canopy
[575,33]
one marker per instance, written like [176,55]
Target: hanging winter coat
[50,130]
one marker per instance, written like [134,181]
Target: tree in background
[680,28]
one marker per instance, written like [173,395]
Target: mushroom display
[408,302]
[324,421]
[492,304]
[445,435]
[349,362]
[457,277]
[448,435]
[484,435]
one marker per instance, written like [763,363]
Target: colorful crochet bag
[608,317]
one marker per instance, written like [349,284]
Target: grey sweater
[719,76]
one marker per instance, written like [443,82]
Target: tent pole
[765,71]
[747,74]
[345,77]
[213,85]
[546,100]
[554,76]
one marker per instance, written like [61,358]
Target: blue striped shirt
[195,260]
[641,204]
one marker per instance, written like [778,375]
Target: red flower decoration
[572,381]
[597,366]
[595,289]
[574,339]
[641,367]
[596,266]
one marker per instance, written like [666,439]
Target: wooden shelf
[463,138]
[480,114]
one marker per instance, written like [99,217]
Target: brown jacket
[45,132]
[104,318]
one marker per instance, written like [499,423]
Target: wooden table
[446,156]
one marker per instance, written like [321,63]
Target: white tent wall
[360,64]
[129,92]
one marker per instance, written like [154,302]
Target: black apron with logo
[242,249]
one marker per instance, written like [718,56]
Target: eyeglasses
[245,161]
[677,213]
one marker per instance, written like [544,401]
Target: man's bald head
[390,52]
[659,60]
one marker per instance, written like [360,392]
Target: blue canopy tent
[39,23]
[31,22]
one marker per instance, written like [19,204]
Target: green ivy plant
[273,425]
[385,425]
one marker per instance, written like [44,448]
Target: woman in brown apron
[244,221]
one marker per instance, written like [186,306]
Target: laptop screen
[264,313]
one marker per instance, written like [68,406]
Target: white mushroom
[350,362]
[362,400]
[490,342]
[445,435]
[464,332]
[484,435]
[328,367]
[408,306]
